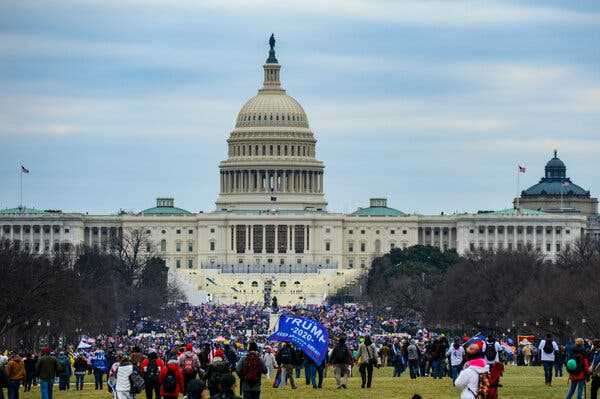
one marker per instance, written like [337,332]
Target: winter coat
[580,376]
[15,369]
[174,369]
[123,373]
[189,355]
[468,379]
[46,367]
[160,364]
[81,365]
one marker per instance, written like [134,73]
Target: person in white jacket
[269,359]
[123,386]
[468,379]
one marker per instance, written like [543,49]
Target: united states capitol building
[271,227]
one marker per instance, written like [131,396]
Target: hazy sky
[111,103]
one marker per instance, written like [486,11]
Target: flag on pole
[24,169]
[522,169]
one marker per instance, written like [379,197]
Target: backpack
[579,365]
[339,355]
[483,386]
[137,382]
[63,364]
[188,365]
[490,351]
[251,369]
[170,382]
[151,374]
[548,347]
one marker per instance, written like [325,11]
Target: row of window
[282,284]
[190,263]
[520,229]
[363,246]
[510,246]
[404,232]
[273,150]
[26,246]
[36,229]
[265,117]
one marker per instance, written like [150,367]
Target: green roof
[20,211]
[513,212]
[165,211]
[377,211]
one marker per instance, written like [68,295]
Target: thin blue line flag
[307,334]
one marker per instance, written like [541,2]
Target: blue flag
[307,334]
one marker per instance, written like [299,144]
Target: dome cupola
[555,168]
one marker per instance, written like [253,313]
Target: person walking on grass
[80,367]
[46,369]
[15,374]
[595,370]
[548,349]
[250,369]
[341,360]
[578,367]
[368,359]
[456,354]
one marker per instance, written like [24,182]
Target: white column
[276,239]
[553,246]
[51,238]
[544,239]
[250,245]
[534,237]
[21,235]
[31,239]
[293,244]
[41,248]
[234,227]
[305,240]
[487,237]
[264,244]
[12,232]
[515,237]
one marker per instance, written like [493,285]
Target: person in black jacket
[29,371]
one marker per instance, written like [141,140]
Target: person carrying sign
[341,360]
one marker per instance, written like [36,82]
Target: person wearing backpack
[595,369]
[250,369]
[189,364]
[492,350]
[64,372]
[341,360]
[547,350]
[578,367]
[473,380]
[368,358]
[171,380]
[150,369]
[122,381]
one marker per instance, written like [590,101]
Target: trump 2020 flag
[307,334]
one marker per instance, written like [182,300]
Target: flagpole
[518,185]
[21,186]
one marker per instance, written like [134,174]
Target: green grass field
[518,383]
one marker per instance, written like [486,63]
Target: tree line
[500,292]
[86,291]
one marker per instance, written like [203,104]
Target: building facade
[271,231]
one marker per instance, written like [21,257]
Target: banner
[307,334]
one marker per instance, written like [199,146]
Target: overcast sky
[111,103]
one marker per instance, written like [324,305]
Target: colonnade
[271,180]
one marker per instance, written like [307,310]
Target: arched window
[296,283]
[283,284]
[255,284]
[240,283]
[163,245]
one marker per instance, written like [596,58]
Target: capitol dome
[272,108]
[271,162]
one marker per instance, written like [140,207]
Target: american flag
[24,169]
[522,169]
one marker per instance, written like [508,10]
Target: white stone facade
[271,225]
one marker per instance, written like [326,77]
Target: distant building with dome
[557,193]
[271,232]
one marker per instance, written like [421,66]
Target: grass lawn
[518,383]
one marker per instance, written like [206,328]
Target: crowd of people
[207,351]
